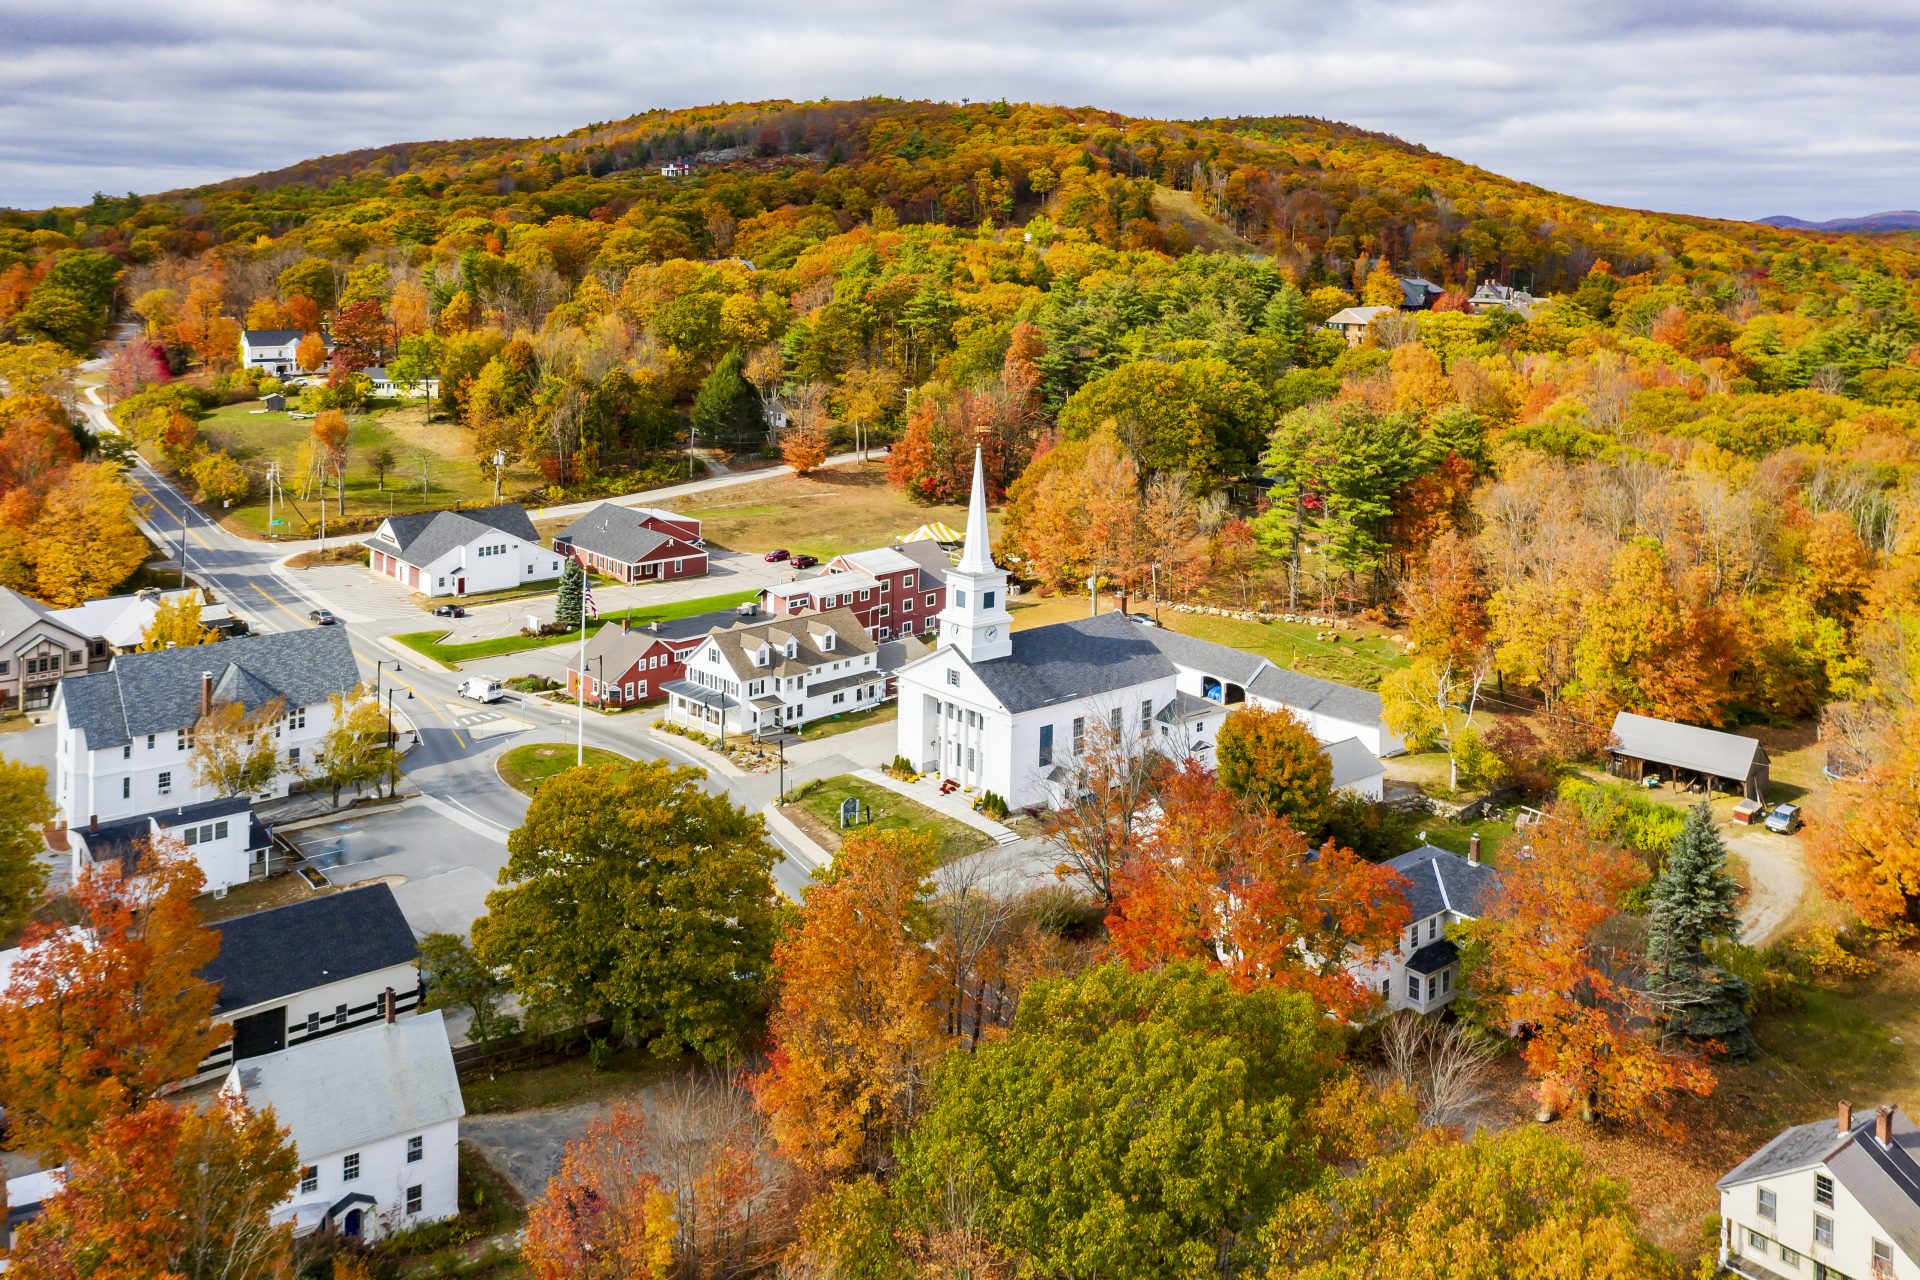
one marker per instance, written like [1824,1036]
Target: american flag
[586,598]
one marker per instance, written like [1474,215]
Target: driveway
[1777,881]
[441,858]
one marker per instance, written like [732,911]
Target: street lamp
[499,465]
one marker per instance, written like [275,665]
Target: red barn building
[627,665]
[635,544]
[894,591]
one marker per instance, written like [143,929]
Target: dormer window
[792,649]
[762,656]
[826,641]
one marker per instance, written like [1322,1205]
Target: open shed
[1641,744]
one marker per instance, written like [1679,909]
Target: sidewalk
[795,839]
[955,805]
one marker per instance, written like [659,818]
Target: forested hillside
[1685,483]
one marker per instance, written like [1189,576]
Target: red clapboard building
[894,591]
[635,544]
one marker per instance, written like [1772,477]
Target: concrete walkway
[955,806]
[796,840]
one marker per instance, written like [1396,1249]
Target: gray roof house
[1841,1194]
[1687,751]
[425,536]
[478,550]
[1442,888]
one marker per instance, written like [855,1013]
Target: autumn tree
[1866,846]
[176,625]
[631,892]
[311,352]
[1692,905]
[329,436]
[1106,787]
[804,443]
[170,1189]
[1183,1124]
[220,478]
[1516,1203]
[460,981]
[1646,646]
[1269,758]
[603,1216]
[854,1026]
[360,336]
[1381,288]
[25,809]
[1431,702]
[1541,956]
[85,542]
[233,748]
[99,1016]
[358,749]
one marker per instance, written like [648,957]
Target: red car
[804,562]
[778,554]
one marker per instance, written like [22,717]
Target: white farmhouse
[125,736]
[222,836]
[457,553]
[1421,973]
[1010,712]
[375,1120]
[762,676]
[1835,1199]
[275,350]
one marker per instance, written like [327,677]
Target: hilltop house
[276,351]
[124,737]
[1499,297]
[313,968]
[1442,888]
[38,648]
[997,710]
[782,673]
[385,386]
[1833,1199]
[1420,293]
[374,1116]
[1351,322]
[635,544]
[457,553]
[896,590]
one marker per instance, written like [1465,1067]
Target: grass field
[849,508]
[819,814]
[428,643]
[528,766]
[452,474]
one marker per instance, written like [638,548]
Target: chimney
[1846,1118]
[1473,851]
[206,693]
[1883,1126]
[93,822]
[1123,603]
[626,625]
[389,1005]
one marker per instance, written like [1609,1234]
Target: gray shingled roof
[159,692]
[1219,660]
[615,532]
[18,612]
[1433,957]
[1068,661]
[1439,880]
[425,536]
[345,1091]
[1686,746]
[622,649]
[271,954]
[738,643]
[1309,693]
[272,337]
[1886,1181]
[1351,761]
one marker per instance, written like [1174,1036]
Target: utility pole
[273,476]
[183,542]
[499,465]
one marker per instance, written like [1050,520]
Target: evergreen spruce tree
[1286,316]
[727,408]
[1692,905]
[570,604]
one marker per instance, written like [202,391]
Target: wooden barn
[1642,745]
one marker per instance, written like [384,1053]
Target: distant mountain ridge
[1888,220]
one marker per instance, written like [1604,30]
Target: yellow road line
[158,505]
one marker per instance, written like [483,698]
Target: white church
[995,710]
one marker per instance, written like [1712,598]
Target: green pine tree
[570,604]
[1690,906]
[726,409]
[1286,316]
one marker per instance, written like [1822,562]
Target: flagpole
[580,687]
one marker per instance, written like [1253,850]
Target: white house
[120,623]
[1356,769]
[457,553]
[1352,323]
[125,736]
[1830,1200]
[1010,712]
[761,676]
[1422,971]
[375,1120]
[221,835]
[311,969]
[26,1197]
[384,385]
[276,351]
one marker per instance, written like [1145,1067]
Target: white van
[481,689]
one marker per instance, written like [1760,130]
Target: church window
[1046,745]
[959,598]
[953,677]
[986,600]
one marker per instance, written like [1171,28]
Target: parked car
[481,689]
[321,617]
[778,554]
[449,611]
[804,562]
[1784,819]
[1748,812]
[1142,619]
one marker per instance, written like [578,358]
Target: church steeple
[976,621]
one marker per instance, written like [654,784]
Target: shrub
[993,805]
[1831,954]
[1624,817]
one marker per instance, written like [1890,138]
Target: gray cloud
[1734,109]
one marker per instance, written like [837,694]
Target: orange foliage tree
[1866,845]
[603,1216]
[169,1190]
[855,1028]
[1236,885]
[1540,958]
[100,1015]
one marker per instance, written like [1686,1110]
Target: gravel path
[1777,878]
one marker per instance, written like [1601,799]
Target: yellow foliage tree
[85,542]
[176,625]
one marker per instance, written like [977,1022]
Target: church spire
[977,555]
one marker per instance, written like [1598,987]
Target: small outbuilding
[1641,746]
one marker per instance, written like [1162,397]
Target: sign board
[849,812]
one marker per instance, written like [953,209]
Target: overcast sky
[1805,107]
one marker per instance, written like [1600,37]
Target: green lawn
[1453,836]
[887,811]
[428,643]
[528,766]
[1356,658]
[848,721]
[849,508]
[570,1079]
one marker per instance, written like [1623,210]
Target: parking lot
[440,857]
